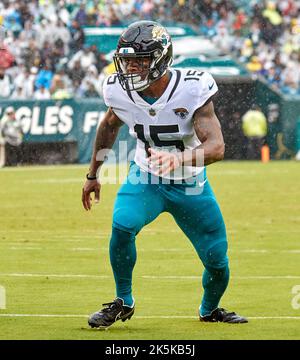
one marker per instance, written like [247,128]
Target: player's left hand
[90,186]
[163,162]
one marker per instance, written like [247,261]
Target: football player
[171,114]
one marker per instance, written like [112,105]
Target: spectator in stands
[254,125]
[85,56]
[81,15]
[271,14]
[6,57]
[254,65]
[58,89]
[101,61]
[42,93]
[291,76]
[92,13]
[25,80]
[78,91]
[28,33]
[58,53]
[12,22]
[147,9]
[16,46]
[45,51]
[246,50]
[77,37]
[76,72]
[112,17]
[91,78]
[62,33]
[42,32]
[25,13]
[18,93]
[48,9]
[44,77]
[31,54]
[11,137]
[274,77]
[124,9]
[90,91]
[6,85]
[61,71]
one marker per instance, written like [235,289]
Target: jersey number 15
[155,130]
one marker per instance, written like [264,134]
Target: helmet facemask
[133,80]
[147,73]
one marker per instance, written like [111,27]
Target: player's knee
[120,238]
[216,256]
[129,221]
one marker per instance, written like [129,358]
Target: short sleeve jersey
[167,124]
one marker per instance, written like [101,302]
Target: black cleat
[221,315]
[112,312]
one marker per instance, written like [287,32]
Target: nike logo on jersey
[211,86]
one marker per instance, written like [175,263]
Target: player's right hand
[90,186]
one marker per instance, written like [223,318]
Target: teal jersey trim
[150,100]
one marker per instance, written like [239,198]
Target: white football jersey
[167,124]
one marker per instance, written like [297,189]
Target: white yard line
[87,276]
[139,249]
[25,248]
[151,231]
[3,216]
[22,246]
[212,173]
[42,168]
[147,317]
[52,232]
[151,277]
[55,181]
[191,277]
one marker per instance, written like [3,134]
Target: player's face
[136,65]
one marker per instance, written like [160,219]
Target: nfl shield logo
[152,112]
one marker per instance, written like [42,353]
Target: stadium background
[66,49]
[54,55]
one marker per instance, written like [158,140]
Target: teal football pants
[196,212]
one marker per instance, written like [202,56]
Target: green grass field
[54,262]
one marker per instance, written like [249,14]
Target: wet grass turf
[54,258]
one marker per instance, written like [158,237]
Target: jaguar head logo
[181,112]
[160,34]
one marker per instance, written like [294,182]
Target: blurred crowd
[43,53]
[262,35]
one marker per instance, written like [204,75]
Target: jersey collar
[164,98]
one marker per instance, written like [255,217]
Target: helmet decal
[159,33]
[128,50]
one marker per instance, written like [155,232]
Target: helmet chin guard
[143,40]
